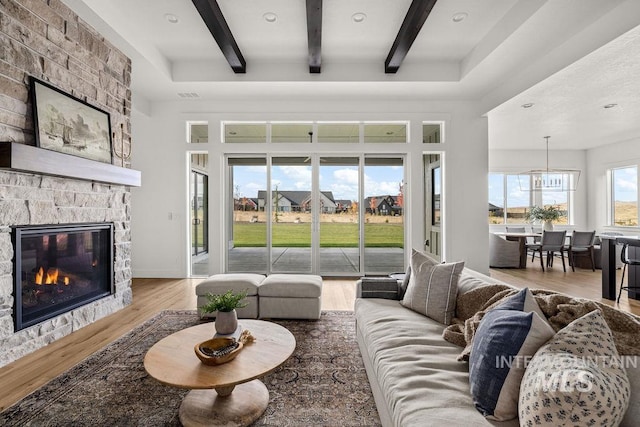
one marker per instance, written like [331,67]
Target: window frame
[611,214]
[535,199]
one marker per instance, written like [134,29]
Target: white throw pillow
[433,287]
[576,378]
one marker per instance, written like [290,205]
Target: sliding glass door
[291,214]
[323,214]
[247,249]
[339,219]
[383,208]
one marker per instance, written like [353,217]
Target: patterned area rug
[323,384]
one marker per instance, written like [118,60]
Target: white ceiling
[568,57]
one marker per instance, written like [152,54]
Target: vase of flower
[224,305]
[546,215]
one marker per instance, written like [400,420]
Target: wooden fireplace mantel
[27,158]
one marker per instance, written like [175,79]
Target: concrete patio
[333,261]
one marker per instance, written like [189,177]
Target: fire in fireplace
[59,268]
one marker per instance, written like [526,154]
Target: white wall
[599,160]
[160,212]
[523,160]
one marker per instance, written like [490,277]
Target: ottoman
[237,282]
[290,296]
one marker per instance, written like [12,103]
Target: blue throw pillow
[502,345]
[522,301]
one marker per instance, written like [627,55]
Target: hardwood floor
[151,296]
[582,283]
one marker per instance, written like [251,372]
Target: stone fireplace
[31,201]
[59,268]
[47,40]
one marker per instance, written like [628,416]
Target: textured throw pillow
[522,301]
[577,378]
[432,287]
[502,345]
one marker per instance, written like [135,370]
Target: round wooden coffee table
[229,394]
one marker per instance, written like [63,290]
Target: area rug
[323,384]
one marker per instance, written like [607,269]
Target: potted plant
[224,305]
[546,214]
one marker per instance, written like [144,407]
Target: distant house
[343,205]
[495,210]
[382,205]
[297,201]
[246,204]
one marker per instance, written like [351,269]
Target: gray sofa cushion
[422,382]
[291,286]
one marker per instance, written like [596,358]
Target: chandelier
[549,179]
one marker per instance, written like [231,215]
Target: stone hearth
[27,199]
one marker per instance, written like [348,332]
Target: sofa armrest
[378,287]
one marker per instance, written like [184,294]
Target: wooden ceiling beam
[314,34]
[212,16]
[411,26]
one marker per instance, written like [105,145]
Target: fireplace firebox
[59,268]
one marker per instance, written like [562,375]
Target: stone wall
[47,40]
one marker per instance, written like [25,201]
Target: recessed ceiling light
[459,17]
[358,17]
[171,18]
[270,17]
[610,105]
[527,105]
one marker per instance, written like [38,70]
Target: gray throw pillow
[433,287]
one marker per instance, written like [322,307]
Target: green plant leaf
[228,301]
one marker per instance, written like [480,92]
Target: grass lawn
[343,235]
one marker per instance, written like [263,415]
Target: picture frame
[70,125]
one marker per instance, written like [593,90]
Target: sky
[341,180]
[626,184]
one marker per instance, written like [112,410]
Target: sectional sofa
[418,378]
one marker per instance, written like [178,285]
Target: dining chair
[511,229]
[582,244]
[624,257]
[534,242]
[552,242]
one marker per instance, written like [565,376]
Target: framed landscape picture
[69,125]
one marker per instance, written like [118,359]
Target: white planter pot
[226,322]
[548,225]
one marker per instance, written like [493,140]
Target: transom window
[310,132]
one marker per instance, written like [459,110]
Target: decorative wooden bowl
[217,351]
